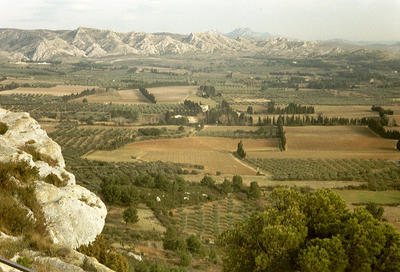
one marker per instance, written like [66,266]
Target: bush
[3,128]
[193,244]
[375,210]
[130,215]
[37,156]
[25,261]
[184,258]
[105,254]
[55,180]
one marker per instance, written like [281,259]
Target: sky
[355,20]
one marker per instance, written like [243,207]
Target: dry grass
[147,220]
[333,142]
[392,215]
[346,111]
[58,90]
[116,97]
[10,80]
[215,153]
[172,94]
[49,127]
[362,196]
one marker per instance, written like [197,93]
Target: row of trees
[281,135]
[14,85]
[292,108]
[148,95]
[312,121]
[376,126]
[382,111]
[234,186]
[81,94]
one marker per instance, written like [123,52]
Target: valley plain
[158,128]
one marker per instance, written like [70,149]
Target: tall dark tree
[240,151]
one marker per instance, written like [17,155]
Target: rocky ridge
[44,45]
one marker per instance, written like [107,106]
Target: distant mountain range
[248,33]
[44,45]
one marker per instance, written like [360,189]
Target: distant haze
[356,20]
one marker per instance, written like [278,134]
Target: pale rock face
[74,215]
[42,45]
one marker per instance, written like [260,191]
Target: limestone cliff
[74,216]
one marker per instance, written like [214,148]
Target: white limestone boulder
[74,215]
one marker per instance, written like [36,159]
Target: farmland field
[381,197]
[58,90]
[334,142]
[116,97]
[172,94]
[330,169]
[345,111]
[267,181]
[212,218]
[213,153]
[147,220]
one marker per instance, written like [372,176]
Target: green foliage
[323,255]
[173,241]
[254,190]
[237,183]
[380,174]
[226,186]
[105,254]
[375,210]
[193,244]
[25,261]
[14,218]
[155,266]
[207,181]
[240,151]
[130,215]
[55,180]
[3,128]
[184,258]
[310,232]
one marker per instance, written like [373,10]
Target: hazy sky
[304,19]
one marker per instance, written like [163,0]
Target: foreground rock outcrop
[74,216]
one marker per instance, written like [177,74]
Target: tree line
[382,111]
[14,85]
[81,94]
[292,108]
[148,95]
[312,121]
[376,126]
